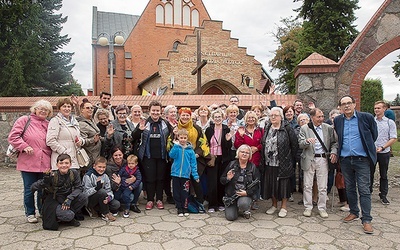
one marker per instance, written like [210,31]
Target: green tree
[31,60]
[285,59]
[371,91]
[73,87]
[327,28]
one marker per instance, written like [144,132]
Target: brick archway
[380,37]
[219,87]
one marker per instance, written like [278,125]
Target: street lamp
[104,40]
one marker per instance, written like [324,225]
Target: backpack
[194,207]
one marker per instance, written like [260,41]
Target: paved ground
[162,229]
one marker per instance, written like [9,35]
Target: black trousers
[180,186]
[215,189]
[154,170]
[97,199]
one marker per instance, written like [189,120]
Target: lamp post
[106,39]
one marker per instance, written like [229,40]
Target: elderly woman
[237,177]
[63,134]
[89,131]
[219,139]
[203,119]
[34,157]
[119,132]
[199,143]
[279,151]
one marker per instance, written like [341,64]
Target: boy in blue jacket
[184,164]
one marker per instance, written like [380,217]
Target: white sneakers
[307,212]
[282,213]
[271,210]
[32,219]
[323,213]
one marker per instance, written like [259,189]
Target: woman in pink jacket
[34,156]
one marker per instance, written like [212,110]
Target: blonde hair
[244,146]
[250,113]
[42,103]
[132,158]
[182,131]
[231,108]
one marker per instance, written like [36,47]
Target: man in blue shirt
[387,135]
[357,132]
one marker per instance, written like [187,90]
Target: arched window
[186,16]
[195,18]
[175,46]
[168,13]
[160,14]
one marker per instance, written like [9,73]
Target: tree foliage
[31,60]
[371,91]
[326,28]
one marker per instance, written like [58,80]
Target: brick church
[160,53]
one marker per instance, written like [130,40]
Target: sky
[251,21]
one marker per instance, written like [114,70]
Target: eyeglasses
[121,114]
[43,110]
[245,152]
[303,120]
[273,116]
[346,104]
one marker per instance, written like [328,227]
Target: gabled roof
[111,23]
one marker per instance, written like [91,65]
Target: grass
[396,145]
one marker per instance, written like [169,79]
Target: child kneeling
[184,165]
[62,194]
[97,187]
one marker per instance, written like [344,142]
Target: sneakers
[126,213]
[149,205]
[255,206]
[74,223]
[32,219]
[271,210]
[350,218]
[345,208]
[291,198]
[211,210]
[323,213]
[135,208]
[385,201]
[221,208]
[160,204]
[282,213]
[307,212]
[186,212]
[108,217]
[180,212]
[247,214]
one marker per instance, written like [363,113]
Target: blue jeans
[356,172]
[28,179]
[128,197]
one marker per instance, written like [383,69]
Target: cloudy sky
[251,21]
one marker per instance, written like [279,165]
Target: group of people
[218,153]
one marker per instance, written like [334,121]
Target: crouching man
[62,195]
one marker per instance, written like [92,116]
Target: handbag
[82,157]
[339,181]
[13,152]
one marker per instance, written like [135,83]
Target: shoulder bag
[12,152]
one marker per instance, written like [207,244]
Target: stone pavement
[162,229]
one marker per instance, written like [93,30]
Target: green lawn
[396,145]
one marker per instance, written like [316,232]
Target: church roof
[111,23]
